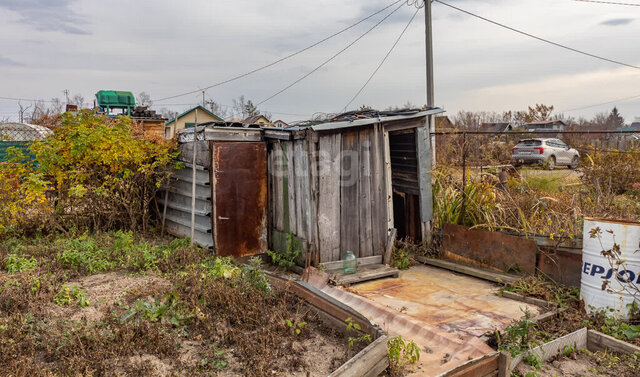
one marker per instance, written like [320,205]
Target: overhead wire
[283,58]
[607,2]
[383,60]
[538,38]
[331,58]
[601,104]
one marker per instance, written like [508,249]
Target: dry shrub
[611,172]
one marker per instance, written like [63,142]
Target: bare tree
[57,106]
[77,100]
[245,108]
[144,99]
[218,109]
[167,113]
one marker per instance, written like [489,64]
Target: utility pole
[426,138]
[430,90]
[66,94]
[203,101]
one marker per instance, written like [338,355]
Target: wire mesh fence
[20,136]
[477,182]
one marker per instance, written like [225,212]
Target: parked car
[551,152]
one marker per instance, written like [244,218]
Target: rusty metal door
[239,190]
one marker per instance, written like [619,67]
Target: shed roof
[199,107]
[23,132]
[550,121]
[364,119]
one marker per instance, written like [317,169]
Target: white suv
[551,152]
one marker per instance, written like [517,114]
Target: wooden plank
[504,362]
[389,248]
[388,183]
[478,367]
[367,362]
[279,166]
[597,341]
[300,178]
[364,194]
[305,189]
[292,198]
[578,339]
[527,299]
[378,220]
[365,273]
[312,151]
[468,270]
[336,265]
[349,238]
[329,197]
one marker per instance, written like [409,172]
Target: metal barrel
[605,284]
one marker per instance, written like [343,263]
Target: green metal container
[350,263]
[115,99]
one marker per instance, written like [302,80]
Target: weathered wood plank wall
[332,191]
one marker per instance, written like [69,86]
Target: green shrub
[19,263]
[253,275]
[400,259]
[83,254]
[68,296]
[167,310]
[400,353]
[290,255]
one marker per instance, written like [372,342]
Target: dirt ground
[586,363]
[105,290]
[181,312]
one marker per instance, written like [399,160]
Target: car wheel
[574,162]
[551,163]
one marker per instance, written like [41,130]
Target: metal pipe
[193,184]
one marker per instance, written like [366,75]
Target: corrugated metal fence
[177,198]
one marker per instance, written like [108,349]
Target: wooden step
[363,273]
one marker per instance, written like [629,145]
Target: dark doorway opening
[404,181]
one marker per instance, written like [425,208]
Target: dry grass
[532,202]
[195,315]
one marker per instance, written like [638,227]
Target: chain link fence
[477,184]
[20,136]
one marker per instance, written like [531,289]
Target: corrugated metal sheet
[178,219]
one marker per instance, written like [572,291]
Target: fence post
[464,176]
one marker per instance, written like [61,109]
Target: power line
[330,59]
[538,38]
[608,2]
[24,99]
[600,104]
[283,58]
[383,60]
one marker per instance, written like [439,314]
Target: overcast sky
[169,47]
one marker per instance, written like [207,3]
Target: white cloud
[165,47]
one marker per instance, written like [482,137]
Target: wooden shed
[345,185]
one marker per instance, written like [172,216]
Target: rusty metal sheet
[443,312]
[489,249]
[562,265]
[240,192]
